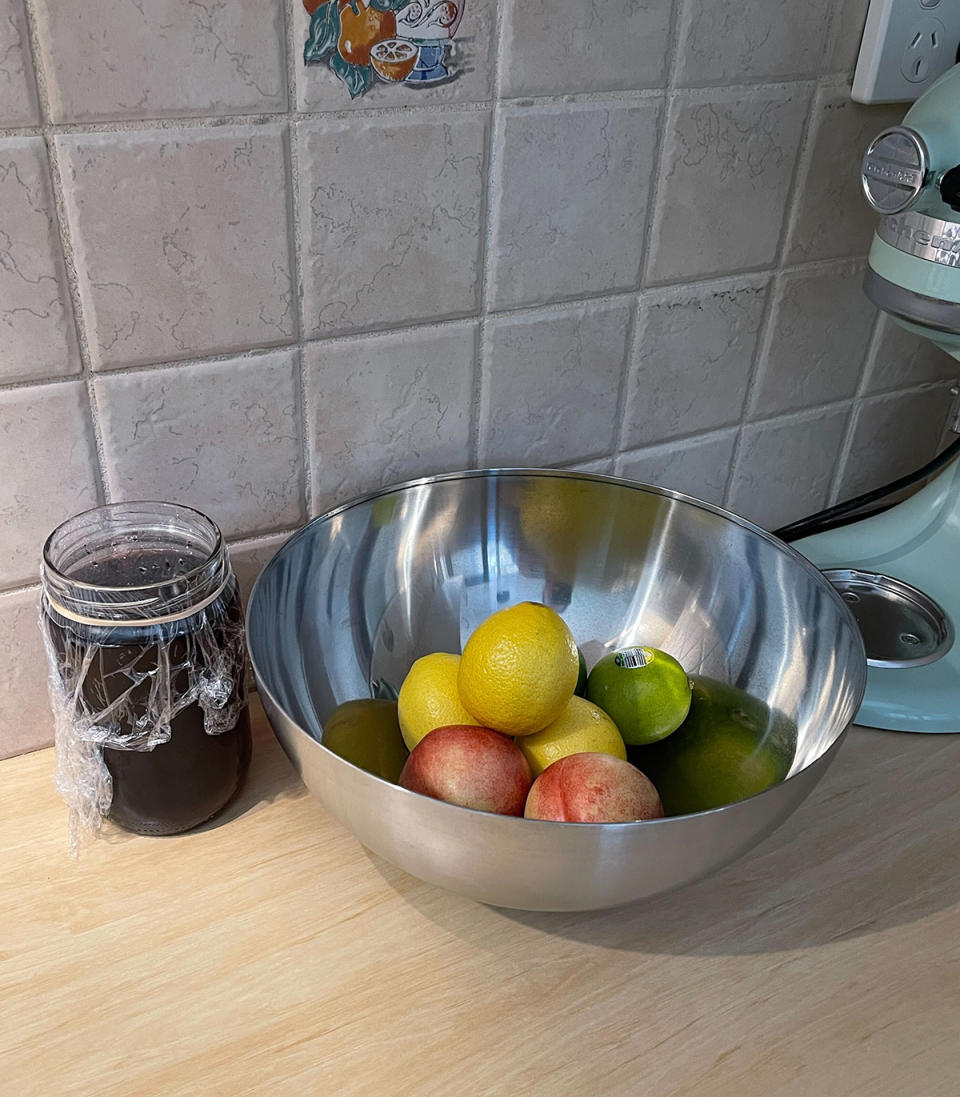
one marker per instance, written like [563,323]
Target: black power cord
[842,514]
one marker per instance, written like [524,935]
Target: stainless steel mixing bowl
[352,599]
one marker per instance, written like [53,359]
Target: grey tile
[249,558]
[821,328]
[695,466]
[167,57]
[550,385]
[391,211]
[833,219]
[181,241]
[847,32]
[570,199]
[26,719]
[692,359]
[893,435]
[18,90]
[902,359]
[603,466]
[37,333]
[47,456]
[729,41]
[469,61]
[222,437]
[386,408]
[786,466]
[554,47]
[729,161]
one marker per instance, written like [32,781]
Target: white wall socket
[906,45]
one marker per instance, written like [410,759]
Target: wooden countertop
[272,955]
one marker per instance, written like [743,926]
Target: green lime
[643,690]
[581,687]
[731,746]
[366,732]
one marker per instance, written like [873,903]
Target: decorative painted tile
[223,437]
[181,240]
[386,408]
[833,218]
[728,163]
[37,333]
[570,199]
[376,53]
[550,385]
[901,359]
[821,322]
[391,219]
[18,90]
[48,460]
[893,435]
[26,720]
[554,47]
[730,41]
[786,466]
[163,58]
[695,466]
[692,359]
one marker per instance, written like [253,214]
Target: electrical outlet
[906,45]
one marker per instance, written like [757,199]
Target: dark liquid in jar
[190,779]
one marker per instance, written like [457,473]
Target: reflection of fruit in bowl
[393,59]
[360,28]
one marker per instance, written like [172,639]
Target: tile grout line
[767,327]
[489,210]
[48,131]
[634,335]
[292,180]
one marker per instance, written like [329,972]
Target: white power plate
[906,45]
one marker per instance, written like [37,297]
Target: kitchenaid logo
[939,241]
[891,173]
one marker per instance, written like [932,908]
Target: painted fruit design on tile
[397,41]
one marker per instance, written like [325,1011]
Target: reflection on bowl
[355,597]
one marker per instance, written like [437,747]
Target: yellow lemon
[429,699]
[519,669]
[367,733]
[580,728]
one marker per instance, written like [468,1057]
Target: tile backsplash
[626,238]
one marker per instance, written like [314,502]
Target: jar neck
[134,563]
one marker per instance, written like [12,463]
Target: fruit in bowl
[592,788]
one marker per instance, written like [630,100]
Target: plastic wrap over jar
[144,635]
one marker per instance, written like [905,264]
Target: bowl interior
[350,601]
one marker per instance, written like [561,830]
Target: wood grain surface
[270,954]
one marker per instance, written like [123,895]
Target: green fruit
[367,733]
[643,690]
[581,687]
[731,746]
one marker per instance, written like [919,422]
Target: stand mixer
[899,571]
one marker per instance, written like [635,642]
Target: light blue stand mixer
[900,570]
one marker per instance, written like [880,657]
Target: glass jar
[144,632]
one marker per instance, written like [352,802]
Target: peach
[474,767]
[592,788]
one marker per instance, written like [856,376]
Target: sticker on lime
[645,691]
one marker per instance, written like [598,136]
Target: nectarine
[592,788]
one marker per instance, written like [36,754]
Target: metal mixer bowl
[351,600]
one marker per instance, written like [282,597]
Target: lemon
[580,728]
[429,699]
[519,669]
[367,733]
[731,746]
[643,690]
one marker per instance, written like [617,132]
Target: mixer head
[911,176]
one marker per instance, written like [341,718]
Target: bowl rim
[566,474]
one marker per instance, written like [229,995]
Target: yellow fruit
[429,699]
[580,728]
[366,733]
[519,669]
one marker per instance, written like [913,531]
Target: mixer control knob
[950,188]
[894,169]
